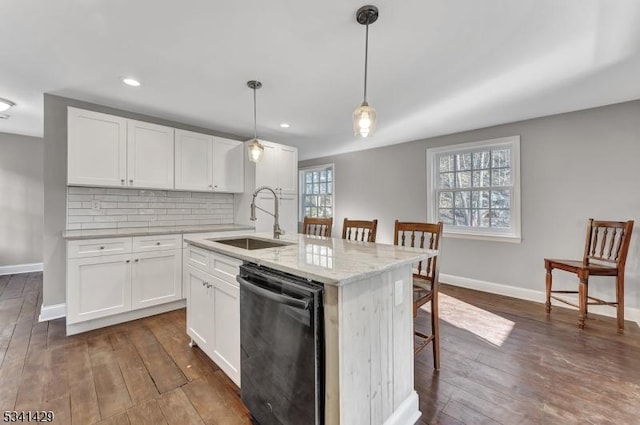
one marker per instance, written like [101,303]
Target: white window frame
[301,183]
[513,234]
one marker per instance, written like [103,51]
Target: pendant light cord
[366,58]
[255,125]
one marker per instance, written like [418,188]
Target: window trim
[513,235]
[318,167]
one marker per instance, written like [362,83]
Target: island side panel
[381,333]
[376,348]
[355,304]
[403,343]
[331,350]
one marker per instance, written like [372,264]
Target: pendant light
[255,149]
[364,116]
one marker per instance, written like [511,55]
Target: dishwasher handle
[282,299]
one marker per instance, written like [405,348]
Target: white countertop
[149,231]
[327,260]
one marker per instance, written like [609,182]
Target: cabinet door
[98,287]
[193,161]
[150,154]
[156,278]
[228,165]
[289,213]
[287,169]
[96,148]
[226,321]
[264,221]
[200,308]
[267,168]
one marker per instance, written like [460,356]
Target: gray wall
[573,166]
[20,199]
[55,184]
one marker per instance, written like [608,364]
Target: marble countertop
[327,260]
[149,231]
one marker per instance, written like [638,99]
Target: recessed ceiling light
[5,104]
[285,125]
[131,82]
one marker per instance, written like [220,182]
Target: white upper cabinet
[194,165]
[278,168]
[149,155]
[208,163]
[97,148]
[106,150]
[288,169]
[228,165]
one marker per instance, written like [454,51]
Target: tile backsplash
[99,208]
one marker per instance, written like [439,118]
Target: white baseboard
[50,312]
[630,313]
[21,268]
[407,413]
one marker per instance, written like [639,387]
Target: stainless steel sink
[250,243]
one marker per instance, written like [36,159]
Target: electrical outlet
[95,205]
[398,293]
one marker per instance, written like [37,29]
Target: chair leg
[435,331]
[582,297]
[548,282]
[620,301]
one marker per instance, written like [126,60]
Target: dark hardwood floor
[503,362]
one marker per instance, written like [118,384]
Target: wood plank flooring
[503,362]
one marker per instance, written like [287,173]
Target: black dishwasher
[281,334]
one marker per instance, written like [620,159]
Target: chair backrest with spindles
[607,242]
[359,230]
[317,226]
[420,235]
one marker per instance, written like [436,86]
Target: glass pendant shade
[364,120]
[255,150]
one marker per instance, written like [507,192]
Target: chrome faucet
[277,230]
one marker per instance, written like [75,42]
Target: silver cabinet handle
[204,283]
[101,247]
[130,181]
[210,186]
[209,285]
[215,185]
[128,261]
[158,243]
[122,181]
[137,260]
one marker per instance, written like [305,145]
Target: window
[474,189]
[316,191]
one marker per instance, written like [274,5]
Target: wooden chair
[425,280]
[359,230]
[317,226]
[605,254]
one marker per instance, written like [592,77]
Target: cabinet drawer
[226,268]
[197,257]
[98,247]
[156,243]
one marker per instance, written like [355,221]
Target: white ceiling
[436,66]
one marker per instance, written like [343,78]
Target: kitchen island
[368,323]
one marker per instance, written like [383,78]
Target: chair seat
[422,294]
[573,266]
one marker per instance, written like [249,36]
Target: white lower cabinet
[213,310]
[226,322]
[156,278]
[199,308]
[98,287]
[101,284]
